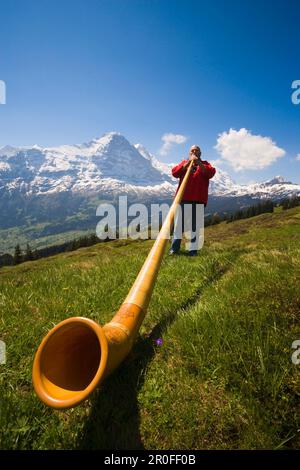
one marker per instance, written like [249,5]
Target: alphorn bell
[78,354]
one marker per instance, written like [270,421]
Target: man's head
[195,151]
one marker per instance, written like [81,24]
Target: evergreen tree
[18,255]
[216,219]
[28,253]
[288,203]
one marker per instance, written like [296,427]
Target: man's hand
[186,165]
[194,159]
[191,158]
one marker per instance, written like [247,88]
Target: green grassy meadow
[223,377]
[33,235]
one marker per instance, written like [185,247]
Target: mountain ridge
[111,164]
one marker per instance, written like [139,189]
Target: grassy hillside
[223,377]
[38,236]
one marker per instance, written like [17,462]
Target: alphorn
[78,354]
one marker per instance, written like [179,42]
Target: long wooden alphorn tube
[77,354]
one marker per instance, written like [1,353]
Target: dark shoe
[193,253]
[172,252]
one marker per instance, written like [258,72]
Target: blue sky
[77,69]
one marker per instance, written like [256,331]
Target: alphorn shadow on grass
[114,421]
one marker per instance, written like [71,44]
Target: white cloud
[216,162]
[169,140]
[298,157]
[245,151]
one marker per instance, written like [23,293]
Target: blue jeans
[180,228]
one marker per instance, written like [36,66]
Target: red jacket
[197,186]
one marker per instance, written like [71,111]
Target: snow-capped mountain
[163,168]
[107,166]
[108,163]
[276,188]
